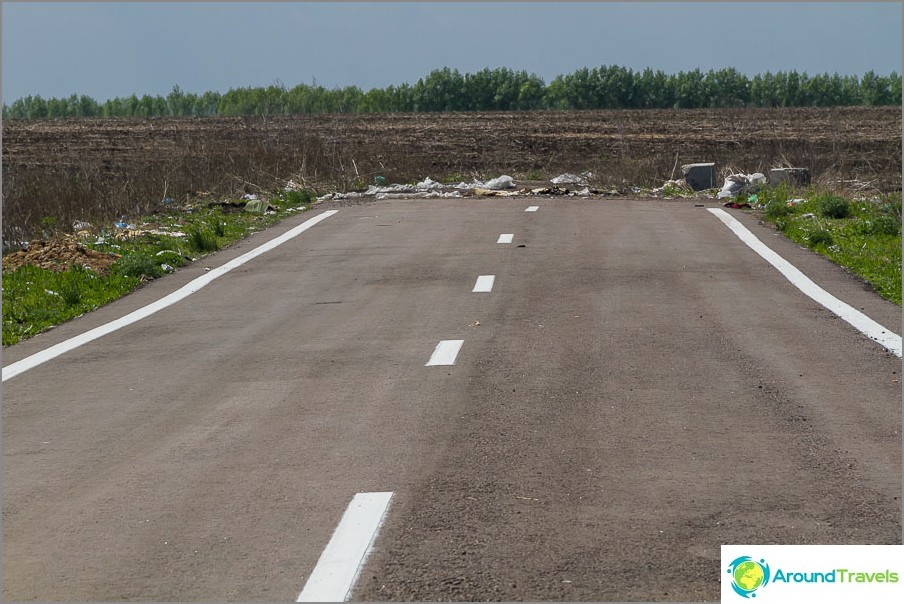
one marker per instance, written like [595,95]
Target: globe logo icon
[748,575]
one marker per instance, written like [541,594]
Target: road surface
[634,388]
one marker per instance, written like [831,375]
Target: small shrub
[138,265]
[777,208]
[820,237]
[202,240]
[833,206]
[297,198]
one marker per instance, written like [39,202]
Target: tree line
[501,89]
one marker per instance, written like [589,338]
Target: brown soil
[59,256]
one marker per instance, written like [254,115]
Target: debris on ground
[572,179]
[673,187]
[258,206]
[58,256]
[701,176]
[495,184]
[482,192]
[741,183]
[735,205]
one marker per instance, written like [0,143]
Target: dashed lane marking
[339,565]
[445,353]
[484,284]
[506,238]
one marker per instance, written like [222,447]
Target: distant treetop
[501,89]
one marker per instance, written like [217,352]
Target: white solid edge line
[506,238]
[860,321]
[186,290]
[532,208]
[484,284]
[339,565]
[445,353]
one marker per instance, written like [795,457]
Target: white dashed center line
[340,563]
[484,283]
[506,238]
[532,208]
[445,353]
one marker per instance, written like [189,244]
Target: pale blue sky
[119,48]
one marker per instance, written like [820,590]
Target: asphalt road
[637,389]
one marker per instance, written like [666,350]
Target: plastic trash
[739,183]
[571,179]
[167,268]
[500,182]
[379,180]
[428,184]
[81,225]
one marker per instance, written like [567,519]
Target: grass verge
[862,235]
[36,299]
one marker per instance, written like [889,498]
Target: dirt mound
[59,256]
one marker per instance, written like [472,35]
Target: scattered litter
[293,186]
[735,205]
[167,201]
[80,225]
[500,182]
[808,215]
[585,192]
[482,192]
[551,191]
[572,179]
[326,197]
[795,201]
[257,206]
[379,180]
[250,197]
[679,186]
[739,183]
[123,224]
[52,293]
[495,184]
[167,268]
[428,184]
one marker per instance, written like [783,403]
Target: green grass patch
[863,236]
[36,299]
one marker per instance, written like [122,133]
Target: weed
[776,209]
[202,240]
[833,206]
[138,265]
[71,292]
[819,236]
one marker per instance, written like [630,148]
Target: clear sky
[108,49]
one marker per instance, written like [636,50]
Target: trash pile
[501,186]
[58,256]
[741,183]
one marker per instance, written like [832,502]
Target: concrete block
[700,176]
[796,177]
